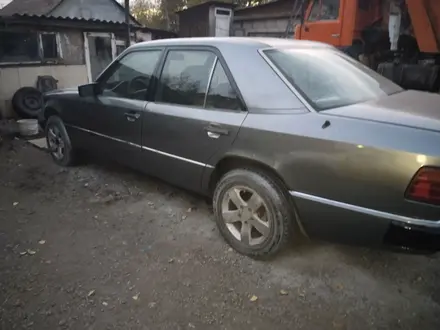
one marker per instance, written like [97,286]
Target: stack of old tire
[28,104]
[28,101]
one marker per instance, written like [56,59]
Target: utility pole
[127,21]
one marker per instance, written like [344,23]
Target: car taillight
[425,186]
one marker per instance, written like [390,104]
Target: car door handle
[213,135]
[336,35]
[214,131]
[132,116]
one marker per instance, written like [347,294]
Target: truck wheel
[253,213]
[58,142]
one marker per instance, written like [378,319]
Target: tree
[147,13]
[168,9]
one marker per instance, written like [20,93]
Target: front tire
[58,142]
[253,213]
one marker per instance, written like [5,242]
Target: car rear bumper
[413,238]
[352,224]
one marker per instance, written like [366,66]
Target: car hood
[409,108]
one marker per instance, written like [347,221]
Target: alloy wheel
[246,215]
[56,142]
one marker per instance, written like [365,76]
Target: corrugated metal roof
[72,19]
[30,7]
[44,8]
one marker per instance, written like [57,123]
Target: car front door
[114,117]
[196,113]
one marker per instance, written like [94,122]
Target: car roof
[219,42]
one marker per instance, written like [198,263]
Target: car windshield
[328,79]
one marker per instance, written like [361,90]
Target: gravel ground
[103,247]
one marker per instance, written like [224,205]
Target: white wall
[11,79]
[272,27]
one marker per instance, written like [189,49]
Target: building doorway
[100,51]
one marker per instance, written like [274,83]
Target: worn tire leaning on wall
[27,102]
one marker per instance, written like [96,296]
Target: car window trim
[214,67]
[158,89]
[289,85]
[219,58]
[117,61]
[211,74]
[231,81]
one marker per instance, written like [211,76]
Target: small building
[70,40]
[267,20]
[209,19]
[217,18]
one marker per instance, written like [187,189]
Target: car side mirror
[88,90]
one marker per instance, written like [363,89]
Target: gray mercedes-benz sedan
[288,137]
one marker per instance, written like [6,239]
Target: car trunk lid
[409,108]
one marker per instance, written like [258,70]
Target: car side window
[221,94]
[130,77]
[324,10]
[185,77]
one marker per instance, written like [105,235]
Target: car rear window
[328,79]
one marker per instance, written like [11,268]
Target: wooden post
[127,21]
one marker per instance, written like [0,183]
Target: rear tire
[58,142]
[271,224]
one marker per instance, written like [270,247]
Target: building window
[120,46]
[19,47]
[49,45]
[22,47]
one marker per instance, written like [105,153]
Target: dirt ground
[103,247]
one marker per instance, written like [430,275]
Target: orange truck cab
[398,38]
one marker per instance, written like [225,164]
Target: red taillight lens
[425,186]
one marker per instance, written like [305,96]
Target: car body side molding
[375,213]
[141,147]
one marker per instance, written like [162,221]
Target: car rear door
[196,113]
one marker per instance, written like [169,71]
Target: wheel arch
[50,109]
[230,162]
